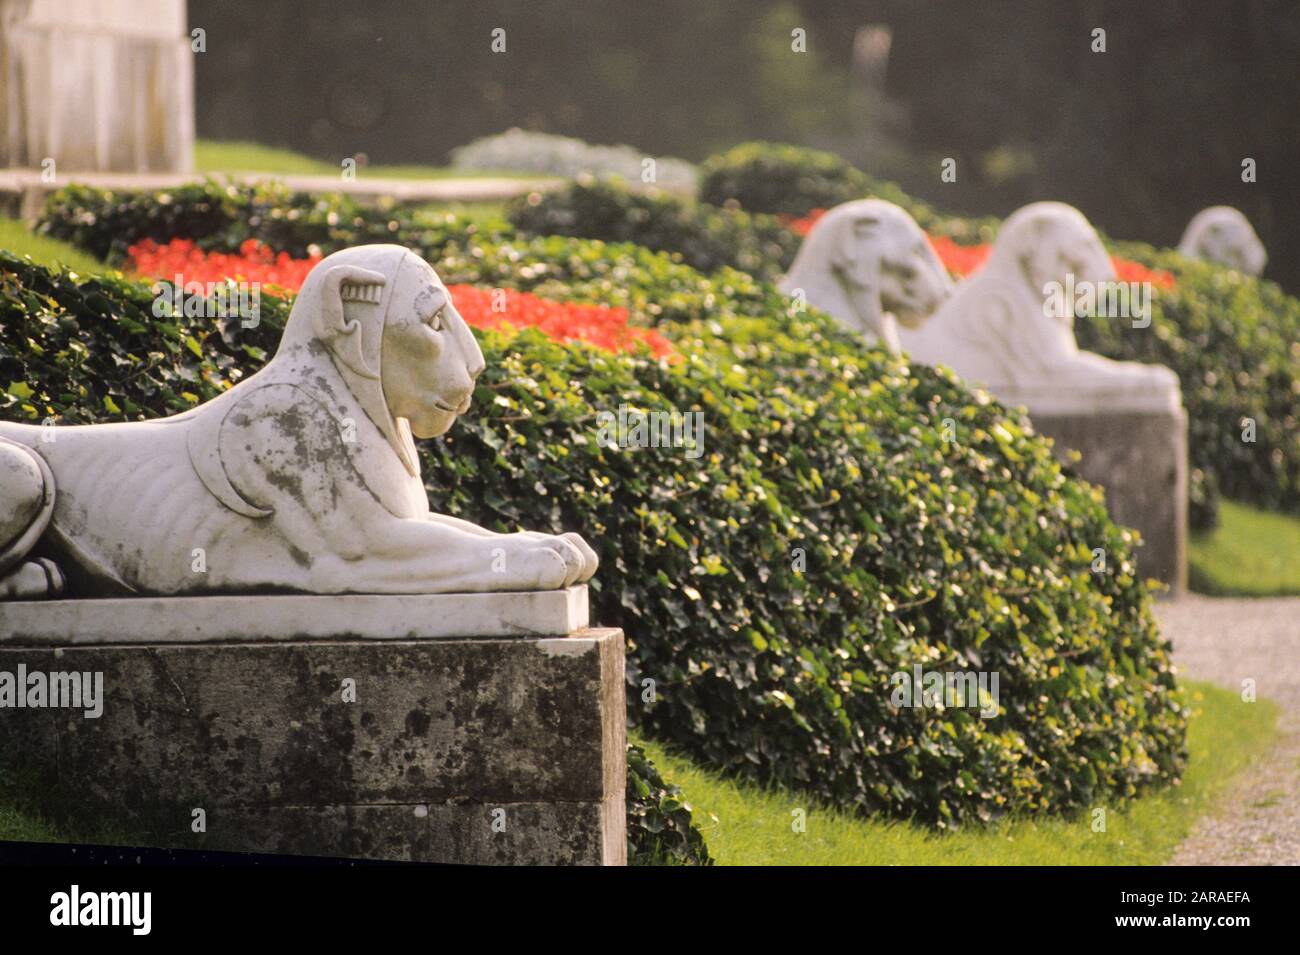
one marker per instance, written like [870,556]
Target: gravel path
[1224,641]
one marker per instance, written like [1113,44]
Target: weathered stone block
[505,749]
[508,833]
[1140,458]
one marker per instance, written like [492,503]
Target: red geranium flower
[959,259]
[1137,272]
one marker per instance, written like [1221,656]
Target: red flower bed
[959,259]
[597,325]
[254,262]
[1137,272]
[801,225]
[964,259]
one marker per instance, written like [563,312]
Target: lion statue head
[394,335]
[868,264]
[1044,242]
[999,330]
[1223,236]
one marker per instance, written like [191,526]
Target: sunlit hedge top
[705,237]
[790,180]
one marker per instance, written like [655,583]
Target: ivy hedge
[706,237]
[794,180]
[780,178]
[1230,338]
[1234,341]
[850,518]
[222,216]
[660,823]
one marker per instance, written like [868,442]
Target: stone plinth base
[1140,458]
[463,750]
[293,617]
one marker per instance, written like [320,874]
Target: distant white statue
[1010,326]
[869,265]
[1222,235]
[303,477]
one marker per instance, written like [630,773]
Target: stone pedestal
[396,737]
[1140,458]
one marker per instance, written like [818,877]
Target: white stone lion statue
[996,329]
[303,478]
[1222,235]
[868,264]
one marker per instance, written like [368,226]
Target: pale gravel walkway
[1225,641]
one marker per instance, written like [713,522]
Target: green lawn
[214,158]
[26,816]
[748,826]
[16,826]
[17,238]
[745,825]
[1250,554]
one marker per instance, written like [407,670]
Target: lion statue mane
[869,265]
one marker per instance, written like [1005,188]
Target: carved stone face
[913,282]
[864,259]
[1222,235]
[1047,242]
[882,251]
[430,359]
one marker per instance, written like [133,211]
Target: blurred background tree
[1140,137]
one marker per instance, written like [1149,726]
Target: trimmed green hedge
[778,177]
[221,217]
[828,538]
[1234,341]
[794,180]
[706,237]
[1231,339]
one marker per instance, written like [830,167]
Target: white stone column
[96,85]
